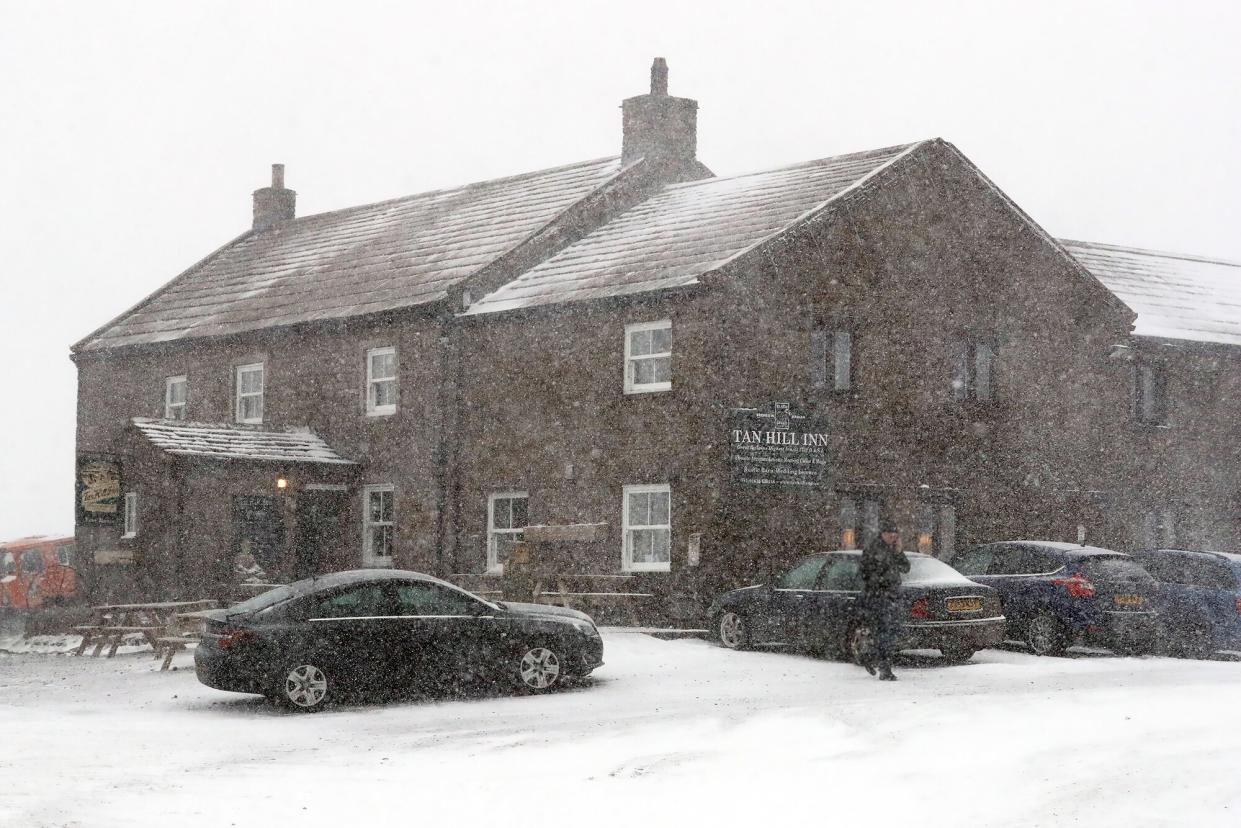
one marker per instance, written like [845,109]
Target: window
[64,554]
[507,517]
[647,519]
[832,359]
[8,565]
[131,515]
[1159,528]
[803,575]
[975,562]
[858,528]
[381,381]
[378,525]
[974,372]
[250,393]
[176,395]
[937,529]
[1149,393]
[365,601]
[32,563]
[418,598]
[648,357]
[843,575]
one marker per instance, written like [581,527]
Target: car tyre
[958,654]
[303,686]
[733,630]
[539,669]
[1046,635]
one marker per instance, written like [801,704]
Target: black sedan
[813,605]
[383,630]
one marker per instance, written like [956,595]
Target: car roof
[1230,557]
[856,552]
[1077,549]
[357,576]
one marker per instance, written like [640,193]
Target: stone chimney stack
[659,127]
[274,204]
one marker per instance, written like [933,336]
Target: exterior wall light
[282,482]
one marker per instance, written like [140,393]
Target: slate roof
[686,231]
[361,260]
[1174,296]
[234,442]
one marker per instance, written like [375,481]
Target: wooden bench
[103,634]
[581,590]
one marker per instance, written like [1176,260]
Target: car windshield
[262,601]
[1114,568]
[924,570]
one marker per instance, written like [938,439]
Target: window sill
[649,389]
[378,563]
[249,422]
[381,412]
[129,536]
[648,567]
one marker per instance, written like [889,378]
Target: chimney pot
[274,204]
[660,128]
[277,176]
[659,77]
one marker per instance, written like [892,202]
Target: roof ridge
[484,182]
[1146,251]
[897,148]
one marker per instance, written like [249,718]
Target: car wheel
[957,655]
[1046,635]
[733,631]
[860,644]
[538,669]
[304,686]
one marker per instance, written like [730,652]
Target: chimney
[659,127]
[274,204]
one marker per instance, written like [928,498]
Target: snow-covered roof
[361,260]
[687,230]
[1174,296]
[226,441]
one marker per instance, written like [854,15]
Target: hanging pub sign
[774,446]
[98,489]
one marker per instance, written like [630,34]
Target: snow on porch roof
[377,257]
[1174,296]
[235,442]
[687,230]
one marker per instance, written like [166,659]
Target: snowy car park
[667,731]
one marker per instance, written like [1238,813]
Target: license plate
[1128,600]
[964,604]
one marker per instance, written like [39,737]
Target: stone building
[715,373]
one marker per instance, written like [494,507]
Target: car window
[927,570]
[1035,561]
[417,598]
[803,575]
[1006,561]
[975,561]
[8,566]
[364,601]
[1165,568]
[1113,568]
[843,574]
[32,562]
[1209,574]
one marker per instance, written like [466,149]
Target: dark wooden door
[320,535]
[258,528]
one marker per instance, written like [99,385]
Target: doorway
[320,531]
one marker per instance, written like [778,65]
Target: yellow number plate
[964,604]
[1128,600]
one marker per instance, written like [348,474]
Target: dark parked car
[1199,599]
[382,629]
[1056,595]
[812,605]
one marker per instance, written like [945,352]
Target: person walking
[882,564]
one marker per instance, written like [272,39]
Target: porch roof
[226,441]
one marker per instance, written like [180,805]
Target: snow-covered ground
[670,732]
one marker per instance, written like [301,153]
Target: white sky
[132,134]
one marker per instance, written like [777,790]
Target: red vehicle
[36,571]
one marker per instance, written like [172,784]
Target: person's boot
[885,673]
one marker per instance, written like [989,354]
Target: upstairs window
[832,359]
[1149,393]
[176,395]
[381,381]
[131,515]
[378,524]
[648,357]
[507,516]
[250,393]
[647,520]
[974,372]
[859,521]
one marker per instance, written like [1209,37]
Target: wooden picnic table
[110,623]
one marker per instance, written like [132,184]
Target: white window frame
[627,562]
[372,409]
[632,387]
[169,405]
[493,557]
[131,515]
[238,396]
[369,558]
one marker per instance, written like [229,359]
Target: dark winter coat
[881,567]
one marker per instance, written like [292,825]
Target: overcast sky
[132,134]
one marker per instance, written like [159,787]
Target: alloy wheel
[305,686]
[732,631]
[1044,635]
[540,668]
